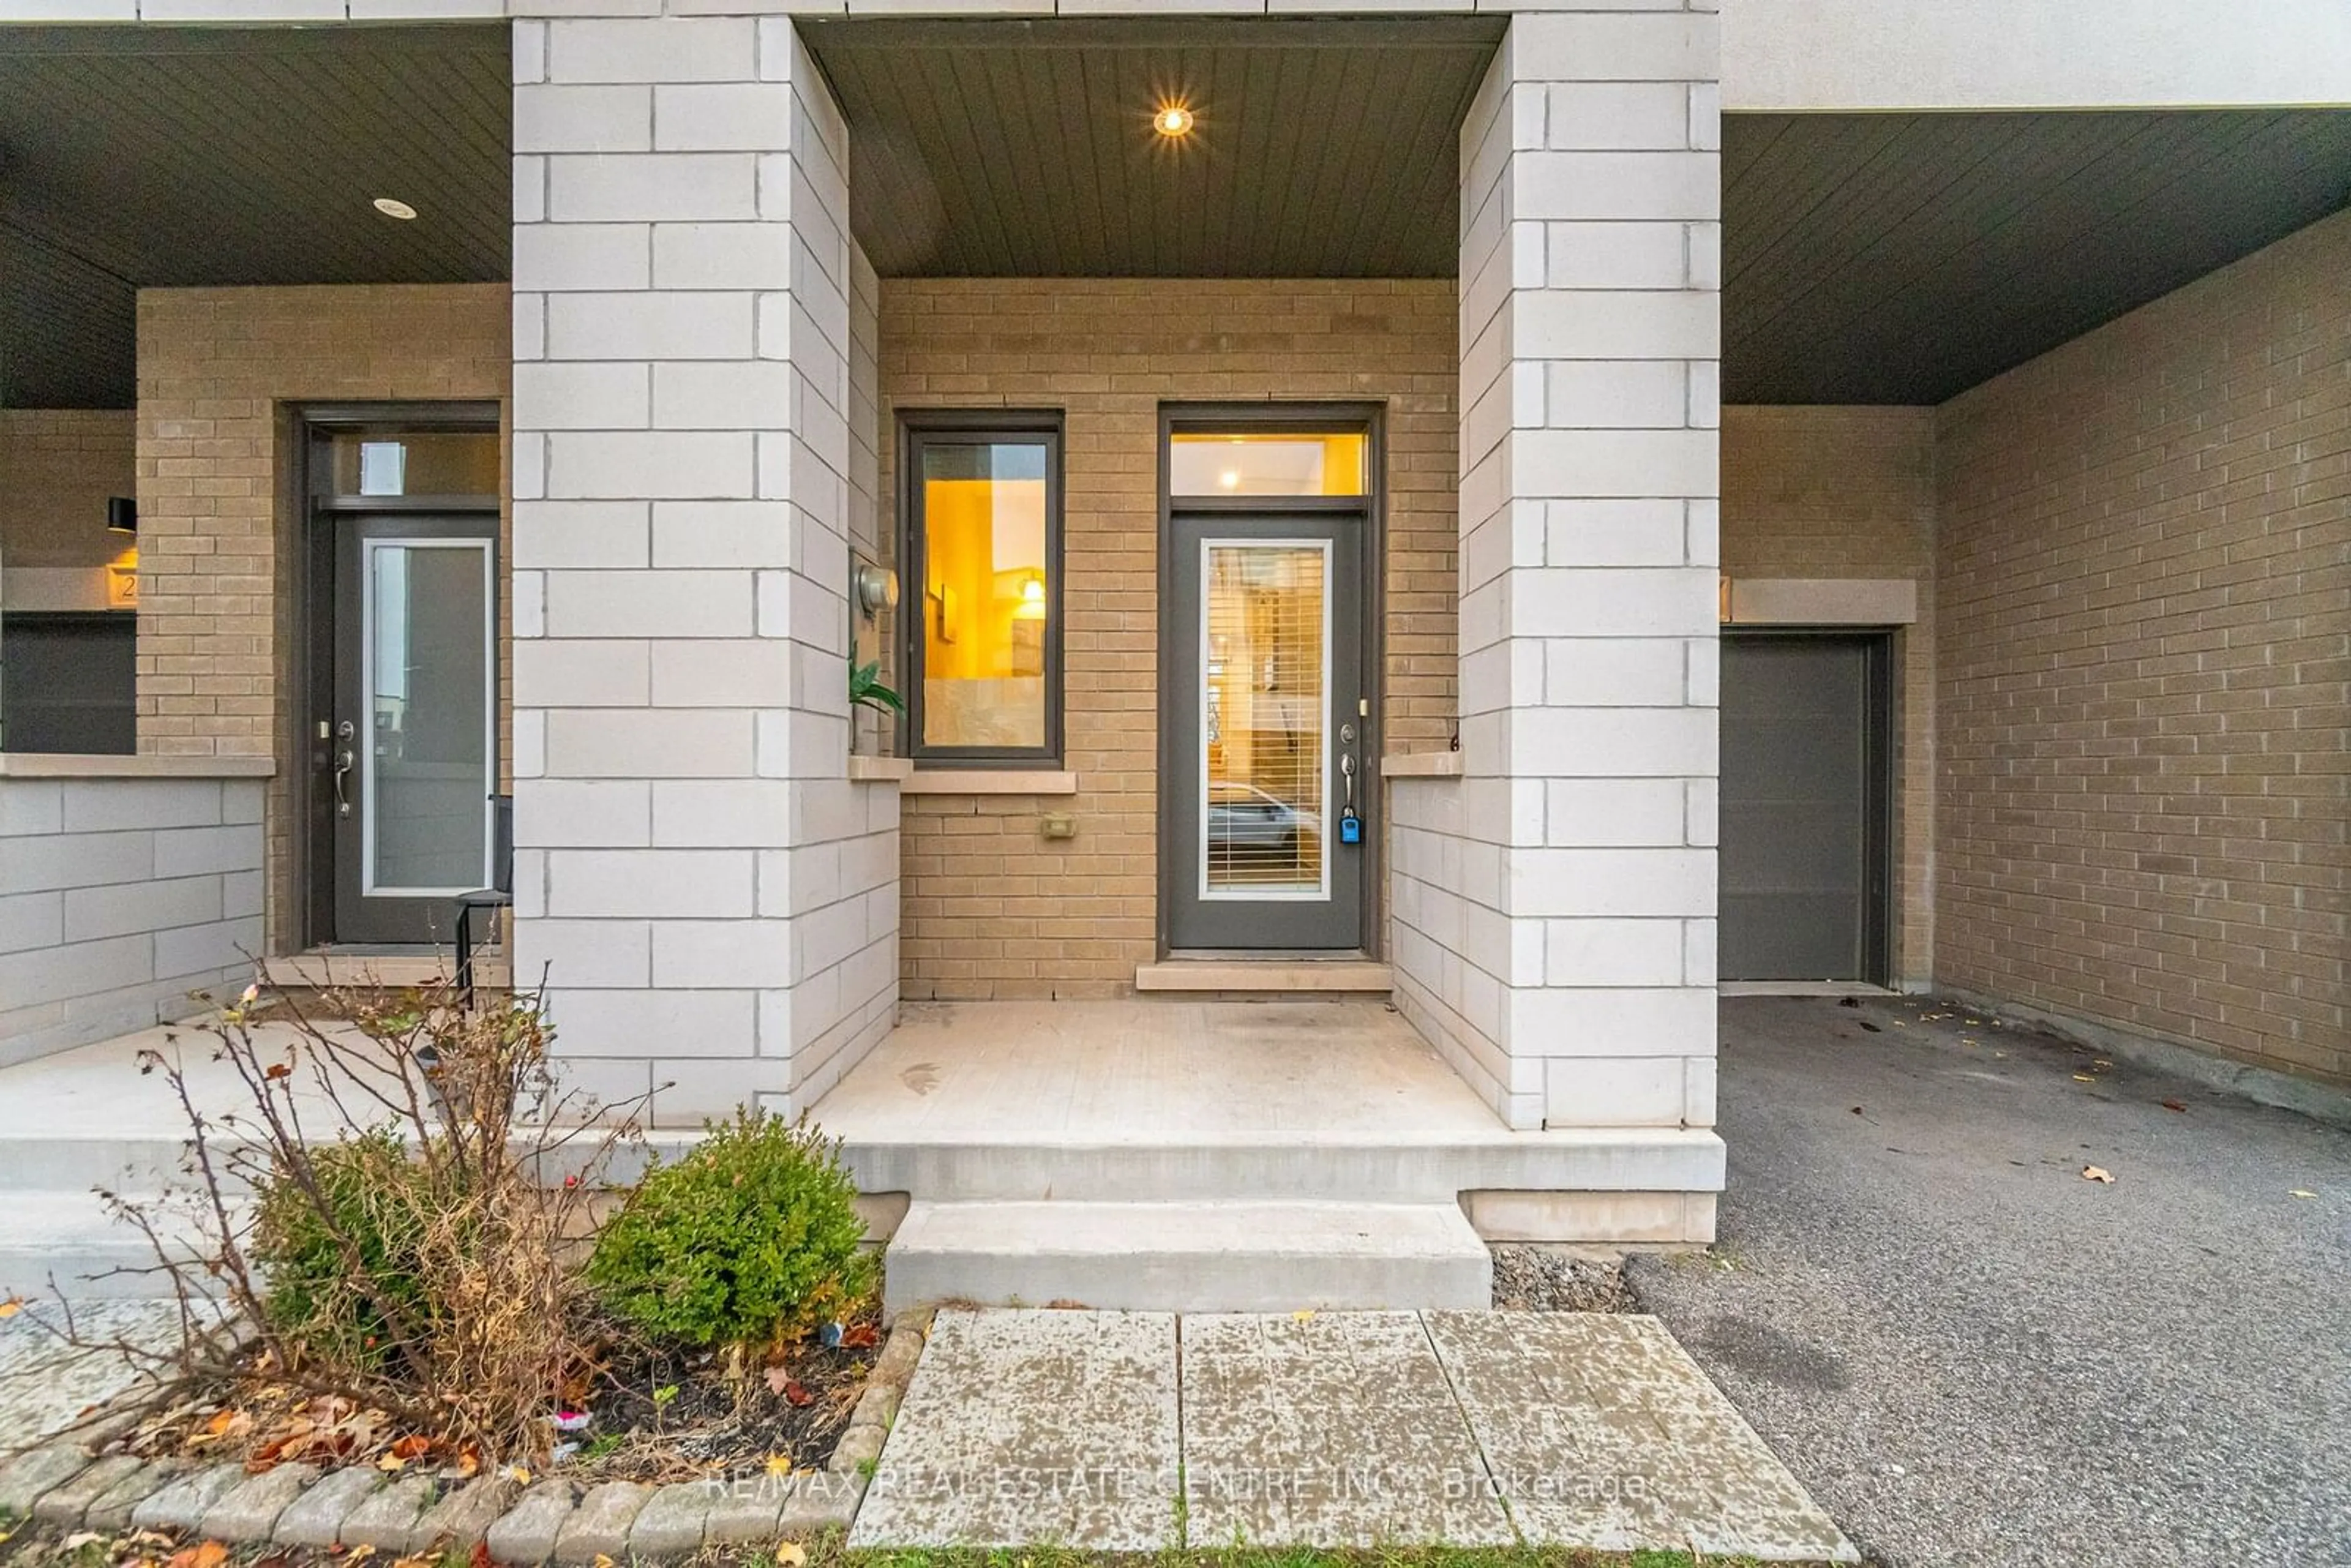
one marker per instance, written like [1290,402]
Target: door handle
[343,762]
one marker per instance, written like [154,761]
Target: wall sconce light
[121,514]
[877,590]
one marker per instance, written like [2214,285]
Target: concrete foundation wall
[991,909]
[1846,494]
[2144,634]
[120,897]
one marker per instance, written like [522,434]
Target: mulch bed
[655,1415]
[1548,1280]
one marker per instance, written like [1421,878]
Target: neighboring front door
[1804,802]
[1267,705]
[412,739]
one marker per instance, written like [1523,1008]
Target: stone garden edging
[68,1485]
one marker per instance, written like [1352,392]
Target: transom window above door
[983,539]
[1265,463]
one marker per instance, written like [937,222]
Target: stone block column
[1556,909]
[710,900]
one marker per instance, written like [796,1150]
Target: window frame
[918,430]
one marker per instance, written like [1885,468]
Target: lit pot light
[393,207]
[1231,479]
[1172,120]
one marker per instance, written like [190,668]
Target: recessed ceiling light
[1232,480]
[1172,120]
[393,207]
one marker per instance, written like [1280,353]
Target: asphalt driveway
[1971,1354]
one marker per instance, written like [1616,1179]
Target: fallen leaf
[603,1561]
[2097,1174]
[12,1306]
[1850,1002]
[779,1465]
[2084,1078]
[2301,1192]
[790,1554]
[1302,1315]
[204,1554]
[2174,1105]
[796,1396]
[1856,1109]
[1869,1027]
[417,1561]
[481,1555]
[469,1463]
[413,1447]
[777,1377]
[860,1336]
[80,1539]
[359,1553]
[392,1464]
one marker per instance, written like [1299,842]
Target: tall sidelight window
[983,541]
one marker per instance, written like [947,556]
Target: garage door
[1804,805]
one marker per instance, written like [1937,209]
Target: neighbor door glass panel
[1265,707]
[426,763]
[987,598]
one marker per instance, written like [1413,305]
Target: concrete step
[69,1244]
[1289,1166]
[1190,1256]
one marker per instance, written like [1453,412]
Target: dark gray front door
[1804,793]
[412,752]
[1263,692]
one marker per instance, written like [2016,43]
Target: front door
[1268,714]
[412,739]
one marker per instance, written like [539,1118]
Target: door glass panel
[987,599]
[1264,712]
[425,783]
[1265,463]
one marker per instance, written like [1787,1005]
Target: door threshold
[1337,974]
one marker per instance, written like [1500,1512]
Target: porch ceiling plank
[1020,149]
[1903,258]
[157,156]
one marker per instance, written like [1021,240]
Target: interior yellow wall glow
[977,557]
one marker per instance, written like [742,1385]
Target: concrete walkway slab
[1327,1429]
[1033,1428]
[1601,1431]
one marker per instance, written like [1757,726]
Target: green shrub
[750,1240]
[339,1243]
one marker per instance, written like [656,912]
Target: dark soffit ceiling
[1902,258]
[1327,148]
[157,156]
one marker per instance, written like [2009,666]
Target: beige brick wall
[989,908]
[218,457]
[58,467]
[2145,571]
[1849,492]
